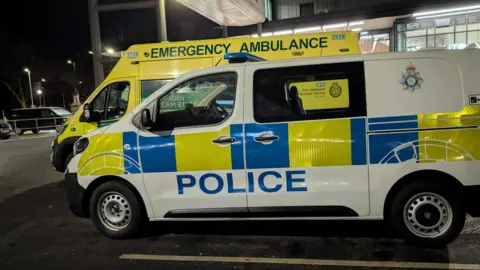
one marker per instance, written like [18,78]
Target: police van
[390,136]
[145,68]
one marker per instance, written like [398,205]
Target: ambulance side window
[112,102]
[202,101]
[309,92]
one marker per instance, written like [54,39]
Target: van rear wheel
[116,211]
[428,214]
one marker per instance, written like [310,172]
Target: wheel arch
[438,176]
[108,178]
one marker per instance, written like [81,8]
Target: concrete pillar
[225,33]
[161,21]
[259,29]
[96,42]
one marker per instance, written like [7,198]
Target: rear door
[305,139]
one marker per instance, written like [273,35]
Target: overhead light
[43,80]
[445,11]
[90,52]
[26,70]
[282,32]
[338,25]
[268,34]
[447,14]
[307,29]
[39,92]
[356,23]
[110,50]
[380,36]
[356,29]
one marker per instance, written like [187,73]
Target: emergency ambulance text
[249,47]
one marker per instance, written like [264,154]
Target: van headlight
[80,146]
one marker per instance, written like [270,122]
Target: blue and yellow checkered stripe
[446,137]
[339,142]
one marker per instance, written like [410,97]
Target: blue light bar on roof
[241,58]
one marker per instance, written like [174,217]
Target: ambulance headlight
[80,146]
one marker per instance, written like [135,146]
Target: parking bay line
[313,262]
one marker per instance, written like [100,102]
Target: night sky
[43,34]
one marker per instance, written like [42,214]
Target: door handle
[266,138]
[224,140]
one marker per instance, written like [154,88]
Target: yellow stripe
[197,152]
[320,143]
[451,119]
[104,155]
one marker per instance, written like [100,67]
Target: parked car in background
[5,131]
[37,119]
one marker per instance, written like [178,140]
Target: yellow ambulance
[143,69]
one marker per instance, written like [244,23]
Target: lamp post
[70,62]
[26,70]
[39,92]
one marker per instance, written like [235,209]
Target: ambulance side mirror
[146,118]
[88,114]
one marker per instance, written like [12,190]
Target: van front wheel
[116,211]
[428,214]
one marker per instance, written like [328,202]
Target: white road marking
[346,263]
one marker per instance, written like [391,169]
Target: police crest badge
[411,80]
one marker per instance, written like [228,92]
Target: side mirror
[146,118]
[88,113]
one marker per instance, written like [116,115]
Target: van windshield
[61,112]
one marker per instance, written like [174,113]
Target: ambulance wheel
[116,211]
[428,214]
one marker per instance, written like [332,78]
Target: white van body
[352,137]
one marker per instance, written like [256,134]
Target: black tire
[449,193]
[67,160]
[138,219]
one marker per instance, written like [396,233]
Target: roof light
[447,14]
[307,29]
[434,12]
[338,25]
[282,32]
[356,23]
[241,58]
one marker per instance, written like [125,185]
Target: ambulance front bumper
[75,195]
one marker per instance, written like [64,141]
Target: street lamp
[43,80]
[39,92]
[26,70]
[70,62]
[110,50]
[90,52]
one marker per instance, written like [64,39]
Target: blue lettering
[261,181]
[204,188]
[181,184]
[231,188]
[291,180]
[251,186]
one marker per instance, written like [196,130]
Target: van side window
[205,100]
[309,92]
[118,100]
